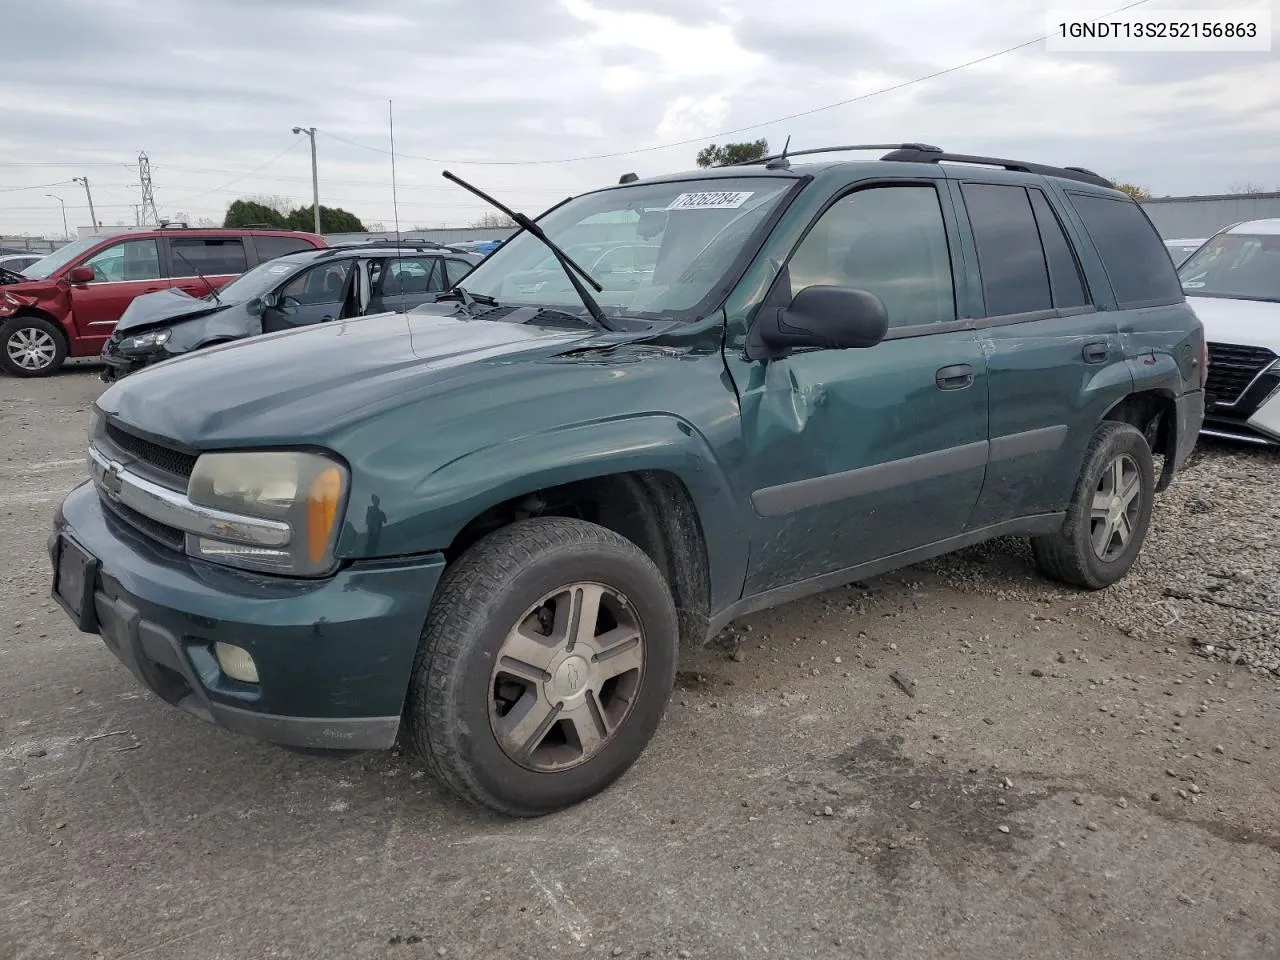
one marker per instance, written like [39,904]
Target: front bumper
[334,657]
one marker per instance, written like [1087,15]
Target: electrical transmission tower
[149,213]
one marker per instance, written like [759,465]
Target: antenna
[395,207]
[780,162]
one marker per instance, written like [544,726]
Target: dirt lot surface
[1070,777]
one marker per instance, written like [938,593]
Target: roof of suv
[1269,226]
[780,165]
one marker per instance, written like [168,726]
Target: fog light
[236,662]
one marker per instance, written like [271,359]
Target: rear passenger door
[219,259]
[403,283]
[1054,363]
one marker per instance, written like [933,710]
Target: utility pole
[315,175]
[149,212]
[65,232]
[93,217]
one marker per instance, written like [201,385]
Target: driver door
[316,295]
[121,272]
[855,455]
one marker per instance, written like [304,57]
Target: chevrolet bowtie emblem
[111,481]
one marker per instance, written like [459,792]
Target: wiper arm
[571,269]
[467,298]
[212,292]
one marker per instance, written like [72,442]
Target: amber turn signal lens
[322,512]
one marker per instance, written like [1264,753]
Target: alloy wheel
[31,348]
[1117,501]
[566,677]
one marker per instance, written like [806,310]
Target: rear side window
[1015,278]
[207,255]
[1133,254]
[271,247]
[1064,272]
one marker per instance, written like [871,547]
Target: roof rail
[909,154]
[777,161]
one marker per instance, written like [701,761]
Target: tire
[31,347]
[1087,552]
[468,712]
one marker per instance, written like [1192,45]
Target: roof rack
[920,153]
[779,161]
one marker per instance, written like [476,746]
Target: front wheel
[544,667]
[1109,512]
[31,347]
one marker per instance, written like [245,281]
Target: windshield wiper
[212,291]
[572,270]
[467,298]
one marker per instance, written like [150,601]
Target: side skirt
[1039,525]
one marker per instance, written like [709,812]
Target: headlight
[307,491]
[146,341]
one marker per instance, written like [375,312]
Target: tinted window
[130,260]
[324,283]
[212,256]
[1136,262]
[1010,258]
[456,270]
[890,241]
[271,247]
[1064,272]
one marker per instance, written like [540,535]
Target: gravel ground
[1208,575]
[958,760]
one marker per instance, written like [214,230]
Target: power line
[728,133]
[244,176]
[36,186]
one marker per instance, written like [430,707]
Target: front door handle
[955,377]
[1096,352]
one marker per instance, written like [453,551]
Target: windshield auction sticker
[709,201]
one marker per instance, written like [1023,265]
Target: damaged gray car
[300,289]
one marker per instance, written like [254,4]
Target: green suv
[487,525]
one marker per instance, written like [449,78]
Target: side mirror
[255,307]
[821,317]
[80,275]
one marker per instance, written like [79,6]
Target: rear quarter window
[1132,252]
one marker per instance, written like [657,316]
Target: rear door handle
[955,377]
[1096,352]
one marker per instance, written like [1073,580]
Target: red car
[67,304]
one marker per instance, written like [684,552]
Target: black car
[296,290]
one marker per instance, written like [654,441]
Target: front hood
[1254,323]
[302,385]
[152,309]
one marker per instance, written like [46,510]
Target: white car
[1233,284]
[1179,250]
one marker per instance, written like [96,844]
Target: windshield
[258,281]
[659,248]
[45,268]
[1238,265]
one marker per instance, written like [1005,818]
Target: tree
[1248,187]
[332,220]
[1132,189]
[716,156]
[491,220]
[248,213]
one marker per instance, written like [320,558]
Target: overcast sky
[210,89]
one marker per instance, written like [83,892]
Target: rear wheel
[1109,512]
[31,347]
[544,668]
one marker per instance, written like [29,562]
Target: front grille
[1232,368]
[171,537]
[163,459]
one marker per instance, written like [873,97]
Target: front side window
[130,260]
[1240,266]
[213,256]
[325,283]
[698,230]
[456,270]
[889,241]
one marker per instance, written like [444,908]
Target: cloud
[211,88]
